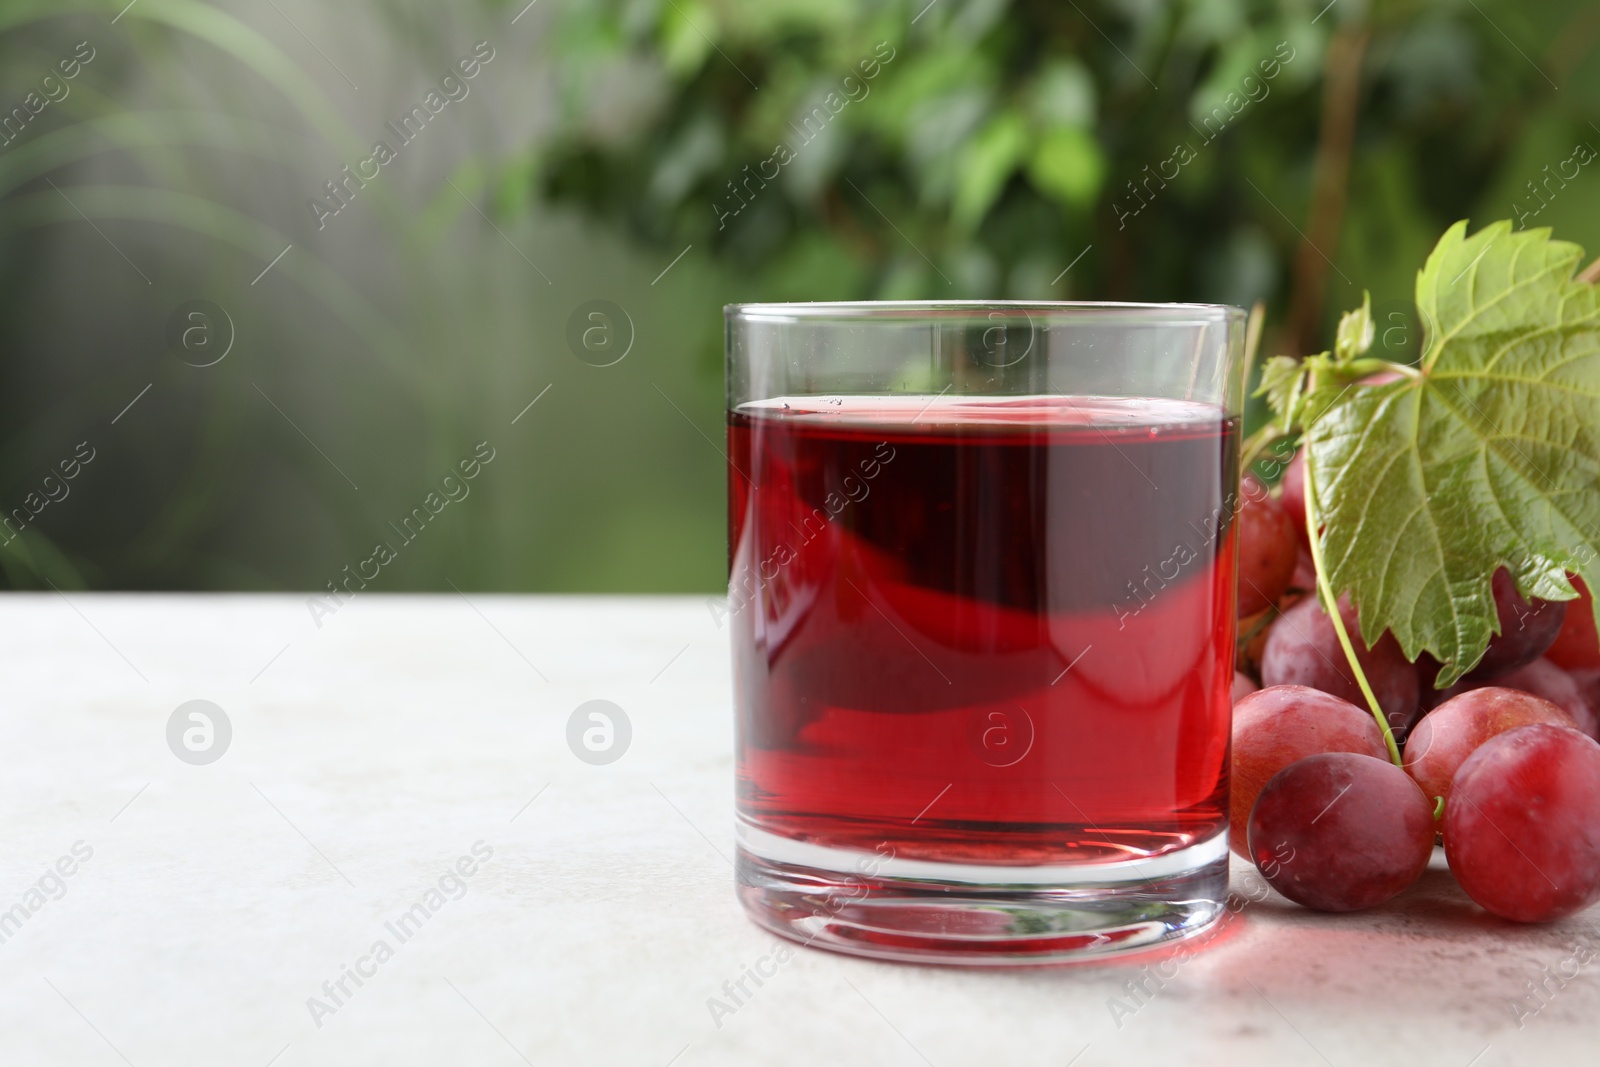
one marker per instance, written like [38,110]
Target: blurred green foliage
[1218,150]
[1005,138]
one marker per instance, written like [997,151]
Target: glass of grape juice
[981,595]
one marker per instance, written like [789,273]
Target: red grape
[1293,493]
[1527,628]
[1305,571]
[1274,727]
[1304,650]
[1588,683]
[1256,646]
[1541,678]
[1577,647]
[1522,825]
[1429,697]
[1341,831]
[1450,733]
[1544,679]
[1267,548]
[1243,686]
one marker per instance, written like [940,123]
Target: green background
[589,160]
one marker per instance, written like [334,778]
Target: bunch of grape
[1504,764]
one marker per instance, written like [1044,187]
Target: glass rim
[864,310]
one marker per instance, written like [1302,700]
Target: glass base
[914,911]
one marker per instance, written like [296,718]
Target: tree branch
[1341,92]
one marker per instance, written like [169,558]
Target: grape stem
[1331,604]
[1361,368]
[1258,442]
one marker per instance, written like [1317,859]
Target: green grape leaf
[1281,383]
[1486,456]
[1355,331]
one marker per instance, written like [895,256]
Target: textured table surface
[207,905]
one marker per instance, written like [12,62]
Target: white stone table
[369,756]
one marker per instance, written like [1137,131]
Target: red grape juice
[983,630]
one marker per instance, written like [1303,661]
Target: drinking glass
[981,596]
